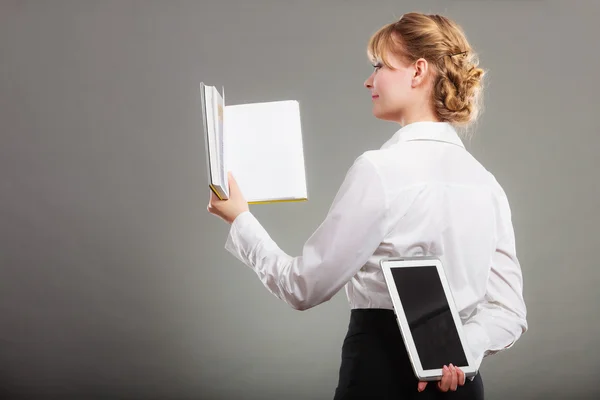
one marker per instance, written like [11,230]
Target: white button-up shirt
[421,194]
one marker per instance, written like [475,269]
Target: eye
[377,65]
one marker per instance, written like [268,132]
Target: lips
[375,96]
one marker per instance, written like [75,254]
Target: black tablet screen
[429,317]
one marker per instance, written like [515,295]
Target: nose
[369,82]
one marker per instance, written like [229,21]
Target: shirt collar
[425,130]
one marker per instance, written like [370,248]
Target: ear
[420,70]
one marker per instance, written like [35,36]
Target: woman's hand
[228,209]
[452,377]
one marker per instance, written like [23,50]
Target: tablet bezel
[387,264]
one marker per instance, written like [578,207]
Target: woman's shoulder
[390,157]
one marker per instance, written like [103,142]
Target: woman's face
[397,90]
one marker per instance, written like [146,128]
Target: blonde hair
[457,88]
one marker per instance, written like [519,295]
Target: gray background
[113,278]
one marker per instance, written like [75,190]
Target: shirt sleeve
[352,230]
[500,320]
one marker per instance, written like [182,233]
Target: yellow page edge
[278,201]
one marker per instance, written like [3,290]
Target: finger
[444,384]
[212,210]
[235,190]
[231,179]
[233,185]
[461,377]
[212,203]
[422,386]
[454,382]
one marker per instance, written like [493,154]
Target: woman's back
[443,203]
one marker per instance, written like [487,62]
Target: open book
[260,143]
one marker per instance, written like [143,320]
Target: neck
[422,110]
[418,117]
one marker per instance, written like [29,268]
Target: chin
[386,115]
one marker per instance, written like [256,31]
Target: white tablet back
[427,316]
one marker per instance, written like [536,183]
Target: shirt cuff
[245,235]
[477,340]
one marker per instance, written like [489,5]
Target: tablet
[427,316]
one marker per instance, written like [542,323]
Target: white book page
[211,134]
[264,150]
[219,111]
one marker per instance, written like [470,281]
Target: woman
[422,193]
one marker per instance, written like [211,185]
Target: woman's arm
[352,230]
[354,227]
[500,320]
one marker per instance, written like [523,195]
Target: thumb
[232,181]
[422,386]
[233,185]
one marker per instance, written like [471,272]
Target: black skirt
[375,364]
